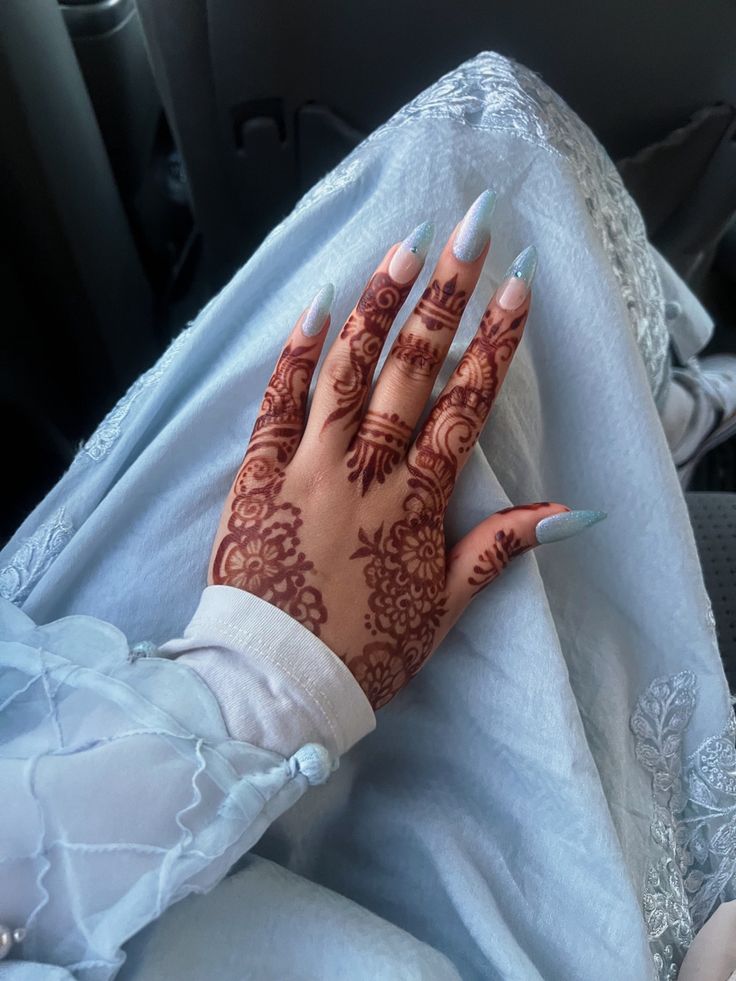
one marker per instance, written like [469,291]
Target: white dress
[554,795]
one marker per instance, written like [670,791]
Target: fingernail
[518,280]
[566,524]
[318,311]
[474,232]
[409,258]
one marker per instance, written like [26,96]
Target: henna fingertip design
[318,311]
[474,232]
[407,261]
[518,280]
[560,526]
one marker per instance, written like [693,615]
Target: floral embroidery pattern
[693,822]
[34,556]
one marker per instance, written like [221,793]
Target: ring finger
[459,414]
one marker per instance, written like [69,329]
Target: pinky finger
[280,424]
[484,553]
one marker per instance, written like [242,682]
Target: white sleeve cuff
[278,685]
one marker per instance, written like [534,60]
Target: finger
[276,435]
[407,377]
[415,359]
[346,375]
[457,418]
[482,555]
[279,426]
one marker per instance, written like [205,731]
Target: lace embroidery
[107,433]
[693,821]
[492,93]
[34,556]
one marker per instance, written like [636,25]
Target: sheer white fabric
[122,791]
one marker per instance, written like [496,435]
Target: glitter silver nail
[474,232]
[319,308]
[565,525]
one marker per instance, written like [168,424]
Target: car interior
[150,146]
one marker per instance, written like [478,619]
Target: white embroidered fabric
[33,557]
[693,818]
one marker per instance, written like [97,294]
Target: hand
[338,517]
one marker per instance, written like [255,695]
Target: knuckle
[415,357]
[342,372]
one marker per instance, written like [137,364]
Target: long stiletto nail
[409,258]
[318,311]
[566,524]
[474,232]
[518,279]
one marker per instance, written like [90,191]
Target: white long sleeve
[277,684]
[124,789]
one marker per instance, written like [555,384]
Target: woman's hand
[338,518]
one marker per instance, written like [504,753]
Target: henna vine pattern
[458,416]
[377,448]
[506,546]
[442,305]
[405,569]
[366,330]
[260,553]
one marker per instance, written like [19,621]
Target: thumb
[482,555]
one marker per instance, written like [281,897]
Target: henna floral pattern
[366,330]
[404,562]
[260,553]
[377,448]
[405,572]
[405,567]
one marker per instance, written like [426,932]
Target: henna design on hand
[442,305]
[405,573]
[494,560]
[260,554]
[507,546]
[377,448]
[366,331]
[458,416]
[417,356]
[406,567]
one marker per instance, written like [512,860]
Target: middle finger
[414,361]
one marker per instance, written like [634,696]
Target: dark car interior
[150,145]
